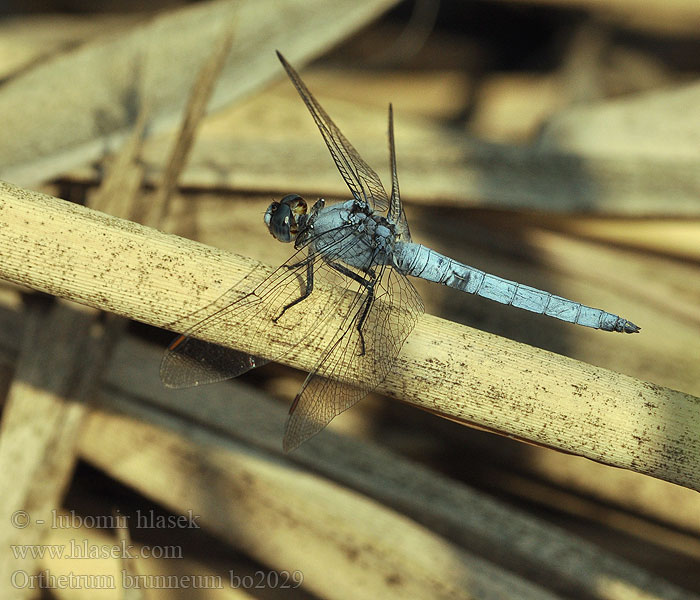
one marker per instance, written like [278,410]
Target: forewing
[327,391]
[363,182]
[191,361]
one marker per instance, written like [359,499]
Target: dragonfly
[360,253]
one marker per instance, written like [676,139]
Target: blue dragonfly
[360,251]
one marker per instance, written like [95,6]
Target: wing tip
[289,445]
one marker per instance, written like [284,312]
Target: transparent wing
[327,391]
[190,360]
[396,212]
[363,182]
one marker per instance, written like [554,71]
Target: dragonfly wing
[363,182]
[396,212]
[189,362]
[258,316]
[327,390]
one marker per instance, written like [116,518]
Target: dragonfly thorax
[351,233]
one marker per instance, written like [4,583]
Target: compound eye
[271,210]
[279,221]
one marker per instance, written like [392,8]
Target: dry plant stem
[55,420]
[65,356]
[59,370]
[461,373]
[154,62]
[520,543]
[644,168]
[195,111]
[119,191]
[353,546]
[39,427]
[669,16]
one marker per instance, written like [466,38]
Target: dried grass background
[551,142]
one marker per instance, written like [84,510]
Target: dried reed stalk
[457,372]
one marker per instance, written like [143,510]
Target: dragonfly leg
[308,287]
[363,316]
[368,284]
[318,205]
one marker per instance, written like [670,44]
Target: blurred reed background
[554,142]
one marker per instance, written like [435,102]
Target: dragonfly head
[284,218]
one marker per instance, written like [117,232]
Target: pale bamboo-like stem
[458,372]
